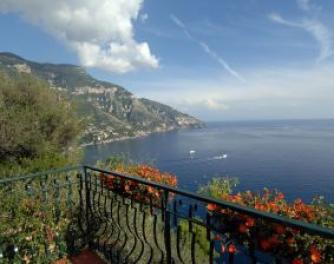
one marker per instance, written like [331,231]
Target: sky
[217,60]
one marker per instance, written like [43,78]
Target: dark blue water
[296,157]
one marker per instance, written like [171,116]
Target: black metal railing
[40,216]
[126,219]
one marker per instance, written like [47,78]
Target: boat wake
[192,158]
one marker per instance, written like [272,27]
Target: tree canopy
[35,121]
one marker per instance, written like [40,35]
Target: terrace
[50,215]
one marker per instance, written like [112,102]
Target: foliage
[201,237]
[39,128]
[217,186]
[283,241]
[37,217]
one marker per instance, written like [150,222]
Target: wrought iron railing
[126,219]
[40,216]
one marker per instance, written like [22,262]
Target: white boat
[192,152]
[223,156]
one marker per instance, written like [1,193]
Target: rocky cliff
[111,111]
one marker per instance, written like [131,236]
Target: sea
[292,156]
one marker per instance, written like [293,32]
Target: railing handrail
[38,174]
[309,227]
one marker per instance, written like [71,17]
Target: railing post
[167,227]
[87,189]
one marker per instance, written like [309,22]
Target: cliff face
[112,111]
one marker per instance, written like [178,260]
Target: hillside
[112,111]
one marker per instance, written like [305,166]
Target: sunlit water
[296,157]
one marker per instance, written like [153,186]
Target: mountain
[112,111]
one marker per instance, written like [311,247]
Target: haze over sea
[295,156]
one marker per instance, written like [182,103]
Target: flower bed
[285,243]
[137,191]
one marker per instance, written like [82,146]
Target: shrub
[39,128]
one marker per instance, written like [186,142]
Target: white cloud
[206,48]
[215,105]
[220,60]
[269,93]
[275,17]
[317,29]
[322,35]
[181,25]
[177,21]
[207,103]
[100,31]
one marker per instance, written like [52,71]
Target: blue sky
[218,60]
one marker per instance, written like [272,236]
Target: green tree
[38,126]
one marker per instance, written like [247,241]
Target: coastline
[141,135]
[102,142]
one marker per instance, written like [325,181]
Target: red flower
[250,222]
[243,228]
[232,249]
[273,240]
[211,207]
[295,231]
[218,237]
[265,245]
[290,240]
[279,229]
[280,196]
[297,261]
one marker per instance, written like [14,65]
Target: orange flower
[261,207]
[211,207]
[257,205]
[315,255]
[290,240]
[273,207]
[238,198]
[150,189]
